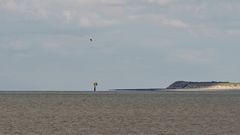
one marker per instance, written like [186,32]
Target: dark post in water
[95,86]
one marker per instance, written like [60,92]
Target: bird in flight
[91,40]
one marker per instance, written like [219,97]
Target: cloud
[9,5]
[161,20]
[14,45]
[191,56]
[87,13]
[161,2]
[234,32]
[199,18]
[53,46]
[81,12]
[177,23]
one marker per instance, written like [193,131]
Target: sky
[44,44]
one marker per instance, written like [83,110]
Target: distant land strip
[147,89]
[188,85]
[203,85]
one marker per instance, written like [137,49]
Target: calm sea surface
[120,113]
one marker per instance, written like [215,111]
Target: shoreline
[123,91]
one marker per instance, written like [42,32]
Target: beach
[120,113]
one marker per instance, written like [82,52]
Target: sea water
[120,113]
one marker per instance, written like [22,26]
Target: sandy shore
[120,113]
